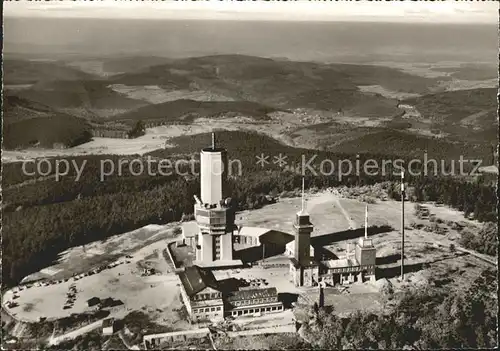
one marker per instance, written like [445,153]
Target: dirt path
[336,197]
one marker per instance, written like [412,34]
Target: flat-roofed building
[108,326]
[190,231]
[201,294]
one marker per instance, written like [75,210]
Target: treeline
[484,241]
[422,319]
[33,237]
[475,198]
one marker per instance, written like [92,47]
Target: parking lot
[123,284]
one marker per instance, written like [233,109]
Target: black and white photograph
[249,175]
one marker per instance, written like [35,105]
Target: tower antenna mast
[366,222]
[213,141]
[303,194]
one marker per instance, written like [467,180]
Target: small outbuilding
[94,301]
[108,326]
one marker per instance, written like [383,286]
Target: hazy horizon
[308,41]
[434,12]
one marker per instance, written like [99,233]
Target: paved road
[85,329]
[75,333]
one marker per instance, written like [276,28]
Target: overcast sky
[406,11]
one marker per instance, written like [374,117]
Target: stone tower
[303,229]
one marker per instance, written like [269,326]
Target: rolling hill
[476,106]
[239,85]
[28,124]
[31,72]
[187,110]
[283,84]
[83,98]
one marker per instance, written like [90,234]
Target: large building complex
[205,300]
[213,241]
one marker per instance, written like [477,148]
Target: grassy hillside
[50,131]
[31,72]
[16,109]
[479,106]
[90,95]
[27,123]
[133,64]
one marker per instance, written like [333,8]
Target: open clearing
[156,95]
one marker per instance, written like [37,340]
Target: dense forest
[45,217]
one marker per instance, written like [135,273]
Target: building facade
[359,268]
[201,295]
[304,274]
[108,326]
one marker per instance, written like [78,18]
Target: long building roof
[195,279]
[252,294]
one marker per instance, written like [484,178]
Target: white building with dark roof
[201,294]
[205,300]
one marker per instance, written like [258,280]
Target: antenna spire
[213,141]
[366,222]
[303,194]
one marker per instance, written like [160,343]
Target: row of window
[254,302]
[350,269]
[211,221]
[257,310]
[207,309]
